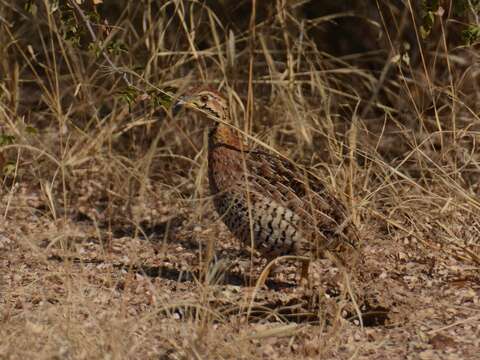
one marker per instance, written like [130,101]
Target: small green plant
[129,95]
[6,139]
[429,7]
[471,34]
[164,97]
[461,8]
[157,98]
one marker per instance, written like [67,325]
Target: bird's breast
[225,169]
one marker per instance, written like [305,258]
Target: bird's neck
[222,134]
[225,147]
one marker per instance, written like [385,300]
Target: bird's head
[205,100]
[214,105]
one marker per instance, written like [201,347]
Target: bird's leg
[304,278]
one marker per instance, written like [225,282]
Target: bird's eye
[204,98]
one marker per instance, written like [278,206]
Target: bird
[267,201]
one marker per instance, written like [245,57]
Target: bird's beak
[180,103]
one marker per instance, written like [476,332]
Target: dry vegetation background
[109,245]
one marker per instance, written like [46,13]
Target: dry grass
[109,245]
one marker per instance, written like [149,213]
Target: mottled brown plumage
[286,209]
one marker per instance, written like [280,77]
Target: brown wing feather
[306,195]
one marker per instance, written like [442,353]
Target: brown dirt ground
[65,294]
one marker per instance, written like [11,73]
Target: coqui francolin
[265,200]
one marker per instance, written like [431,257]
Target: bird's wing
[290,179]
[301,191]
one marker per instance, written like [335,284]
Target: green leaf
[428,22]
[31,7]
[471,34]
[31,130]
[129,94]
[116,47]
[9,169]
[6,139]
[163,98]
